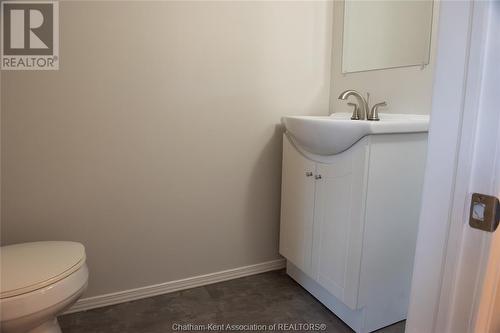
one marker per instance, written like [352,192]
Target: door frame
[451,258]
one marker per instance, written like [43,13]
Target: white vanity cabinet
[349,225]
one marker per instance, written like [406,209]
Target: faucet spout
[363,104]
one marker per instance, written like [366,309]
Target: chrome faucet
[360,112]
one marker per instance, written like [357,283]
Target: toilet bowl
[39,281]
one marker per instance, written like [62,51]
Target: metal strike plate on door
[484,212]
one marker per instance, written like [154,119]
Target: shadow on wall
[263,199]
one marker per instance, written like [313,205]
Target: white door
[488,310]
[457,268]
[297,206]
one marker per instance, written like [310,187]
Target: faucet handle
[374,111]
[355,112]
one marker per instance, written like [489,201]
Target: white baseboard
[171,286]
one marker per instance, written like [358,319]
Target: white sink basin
[336,133]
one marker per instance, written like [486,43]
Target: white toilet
[38,281]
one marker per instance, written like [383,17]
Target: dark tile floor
[266,298]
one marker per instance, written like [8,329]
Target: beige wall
[156,143]
[406,90]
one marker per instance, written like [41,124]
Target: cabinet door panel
[297,205]
[338,223]
[333,215]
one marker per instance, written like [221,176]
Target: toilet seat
[27,267]
[60,293]
[38,281]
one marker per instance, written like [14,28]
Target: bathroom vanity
[349,212]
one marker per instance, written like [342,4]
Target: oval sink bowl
[336,133]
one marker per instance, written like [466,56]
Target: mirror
[386,34]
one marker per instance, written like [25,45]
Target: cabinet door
[297,205]
[338,223]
